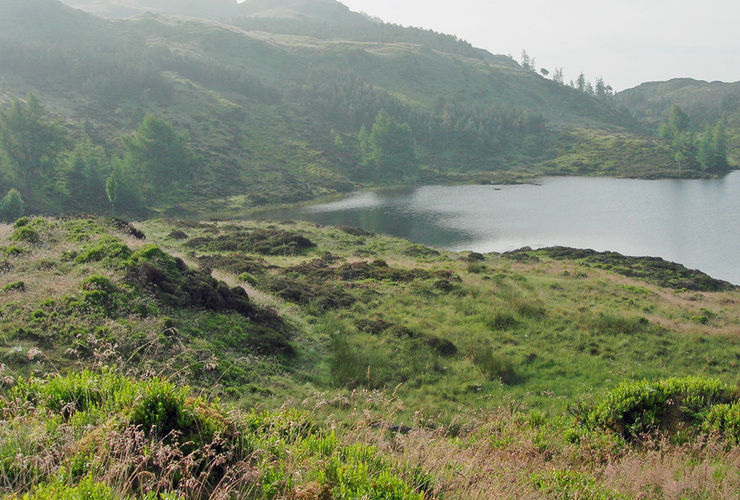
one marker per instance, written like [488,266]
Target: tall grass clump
[495,366]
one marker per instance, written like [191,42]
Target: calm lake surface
[693,222]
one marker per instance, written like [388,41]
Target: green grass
[360,345]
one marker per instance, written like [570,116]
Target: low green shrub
[86,489]
[16,286]
[75,392]
[12,251]
[248,278]
[26,234]
[160,409]
[672,405]
[22,221]
[724,419]
[109,250]
[570,484]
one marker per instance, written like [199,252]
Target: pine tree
[159,155]
[705,154]
[390,148]
[31,143]
[581,83]
[12,206]
[719,147]
[526,61]
[83,180]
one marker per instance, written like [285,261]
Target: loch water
[692,222]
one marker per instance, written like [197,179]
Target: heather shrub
[725,419]
[26,234]
[109,250]
[16,286]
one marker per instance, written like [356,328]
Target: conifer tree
[12,206]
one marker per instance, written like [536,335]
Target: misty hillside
[280,100]
[706,103]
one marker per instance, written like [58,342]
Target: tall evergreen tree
[600,88]
[159,156]
[123,192]
[581,83]
[719,147]
[391,148]
[526,61]
[83,180]
[31,143]
[705,153]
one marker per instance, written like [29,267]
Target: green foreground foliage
[326,362]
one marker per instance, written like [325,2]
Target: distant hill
[706,103]
[115,9]
[276,97]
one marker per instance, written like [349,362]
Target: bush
[675,404]
[724,419]
[248,278]
[109,250]
[161,409]
[87,489]
[26,234]
[17,286]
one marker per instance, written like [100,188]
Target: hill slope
[706,103]
[276,104]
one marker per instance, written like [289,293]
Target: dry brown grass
[500,455]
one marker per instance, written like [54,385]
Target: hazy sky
[627,42]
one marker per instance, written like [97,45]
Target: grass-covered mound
[651,269]
[93,291]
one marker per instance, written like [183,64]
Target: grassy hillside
[350,351]
[327,303]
